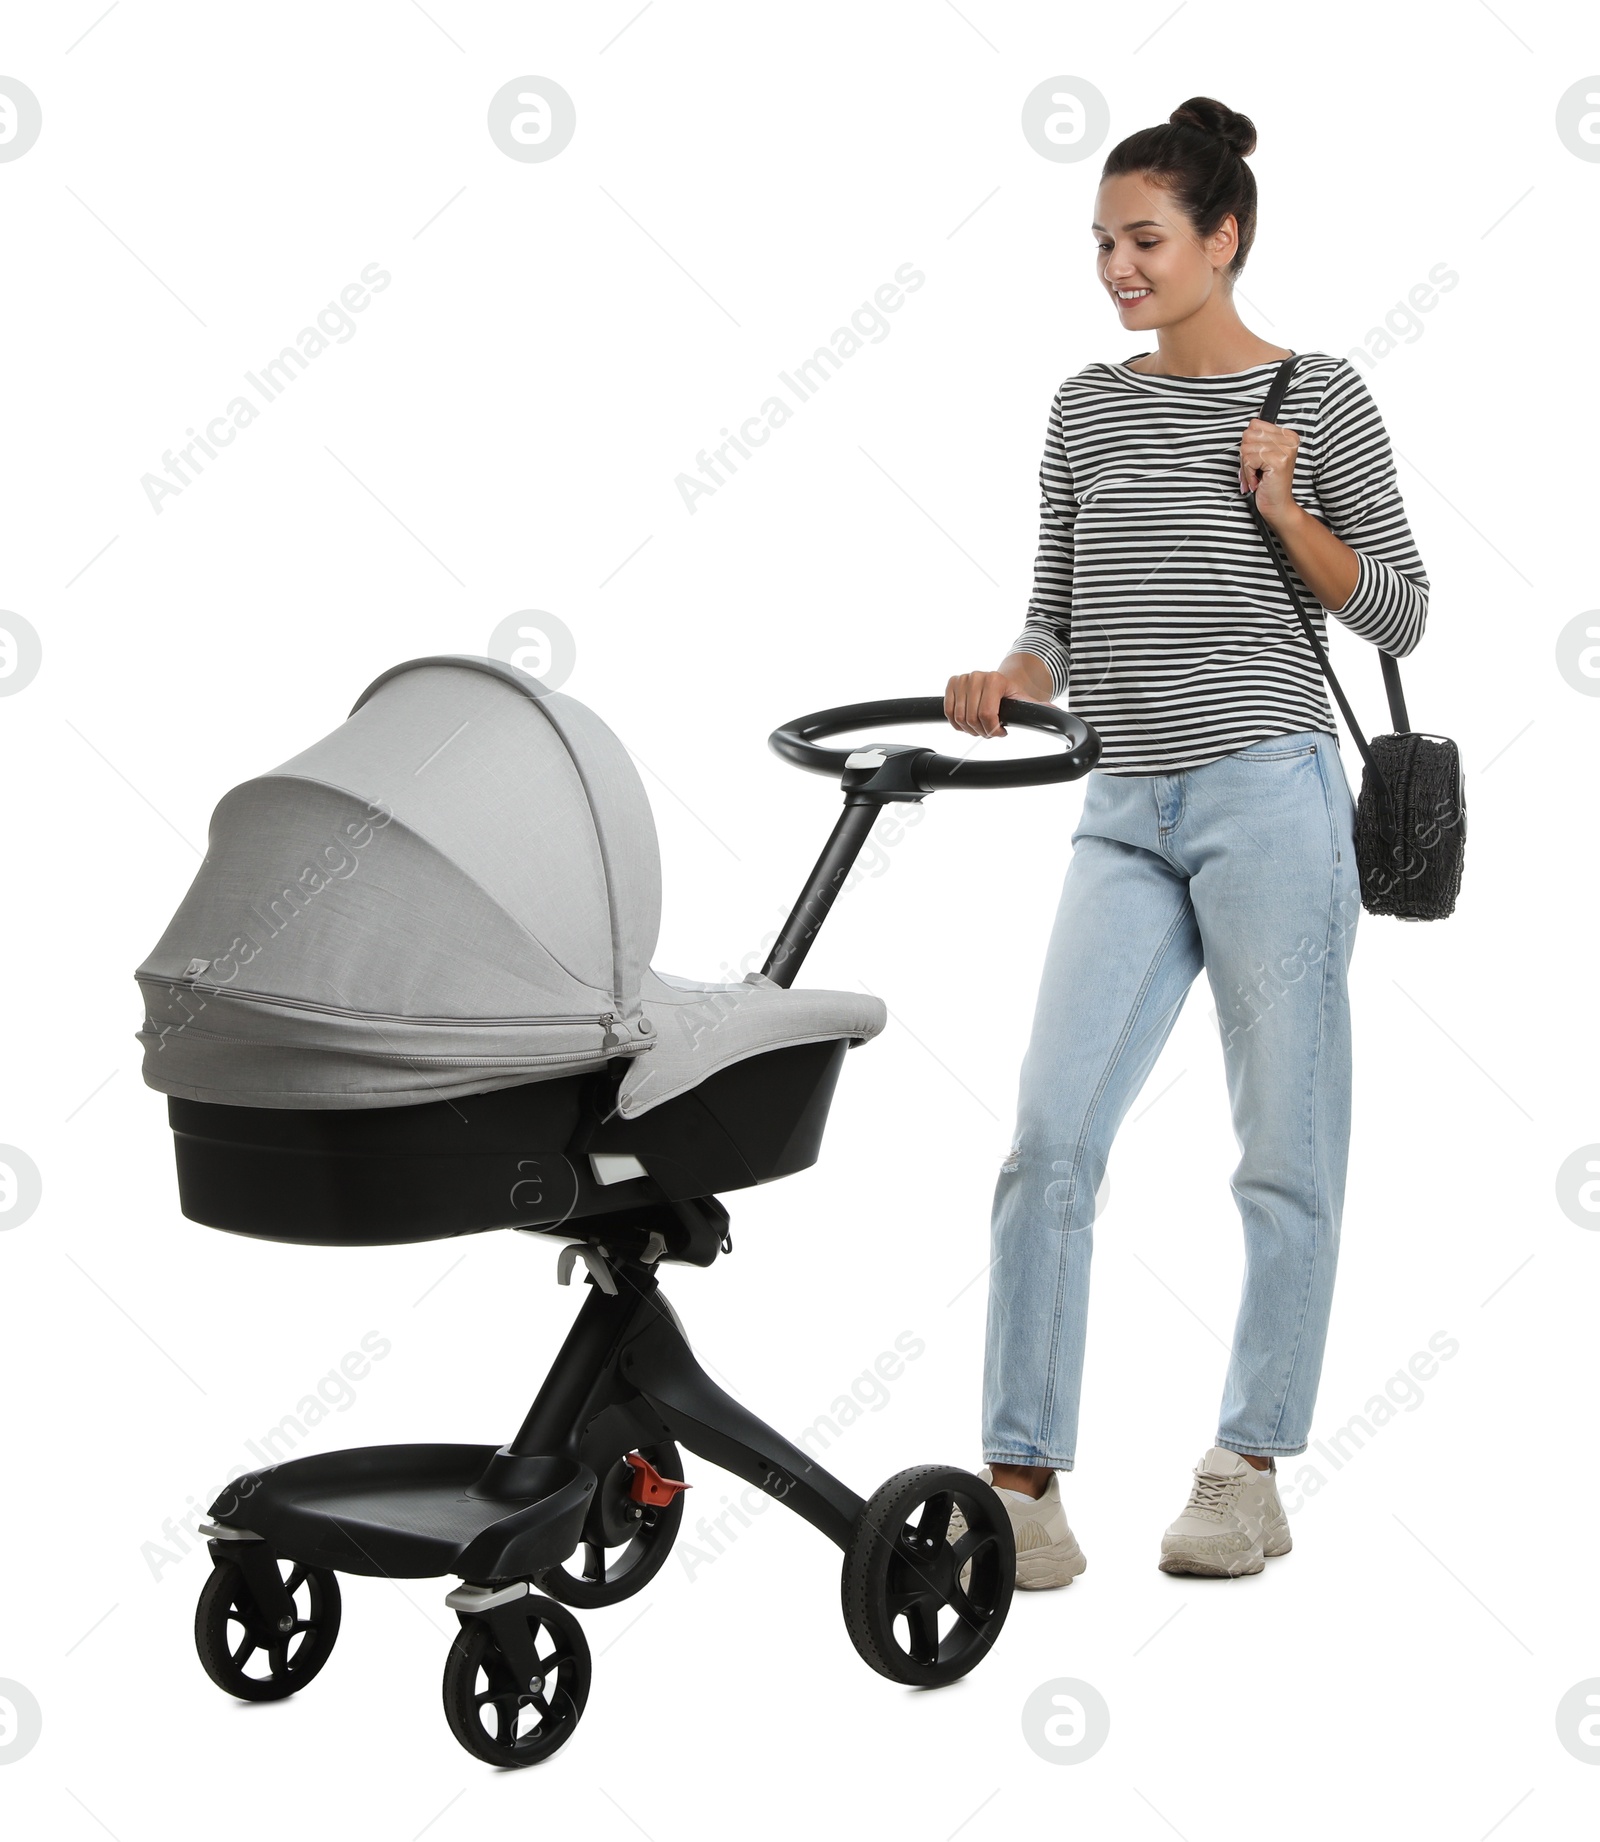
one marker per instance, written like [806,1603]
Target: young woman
[1216,831]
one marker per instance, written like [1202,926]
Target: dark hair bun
[1210,117]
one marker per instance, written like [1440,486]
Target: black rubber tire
[896,1568]
[563,1649]
[226,1600]
[638,1560]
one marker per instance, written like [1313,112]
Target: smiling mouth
[1127,295]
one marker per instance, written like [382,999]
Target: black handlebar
[874,774]
[927,771]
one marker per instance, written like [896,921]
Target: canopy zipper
[203,990]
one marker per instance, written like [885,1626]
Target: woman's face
[1149,260]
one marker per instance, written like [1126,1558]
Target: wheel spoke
[914,1576]
[934,1522]
[970,1546]
[922,1620]
[500,1687]
[498,1679]
[964,1609]
[594,1562]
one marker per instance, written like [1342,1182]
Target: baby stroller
[408,996]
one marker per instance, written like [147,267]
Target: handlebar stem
[850,833]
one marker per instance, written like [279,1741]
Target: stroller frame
[624,1379]
[627,1368]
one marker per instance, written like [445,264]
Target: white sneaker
[1047,1551]
[1233,1522]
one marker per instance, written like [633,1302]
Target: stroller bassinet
[409,994]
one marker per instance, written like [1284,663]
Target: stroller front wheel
[923,1609]
[256,1657]
[507,1715]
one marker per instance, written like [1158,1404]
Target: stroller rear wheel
[624,1542]
[256,1657]
[503,1714]
[920,1608]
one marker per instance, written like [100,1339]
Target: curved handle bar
[796,742]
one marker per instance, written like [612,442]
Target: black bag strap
[1391,665]
[1392,690]
[1391,671]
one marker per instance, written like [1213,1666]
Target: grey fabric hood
[458,889]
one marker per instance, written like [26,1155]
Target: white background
[502,433]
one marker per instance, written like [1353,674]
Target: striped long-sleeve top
[1155,603]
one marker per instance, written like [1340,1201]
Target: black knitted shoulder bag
[1411,817]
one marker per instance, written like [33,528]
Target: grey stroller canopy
[457,890]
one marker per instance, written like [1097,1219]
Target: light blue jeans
[1245,867]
